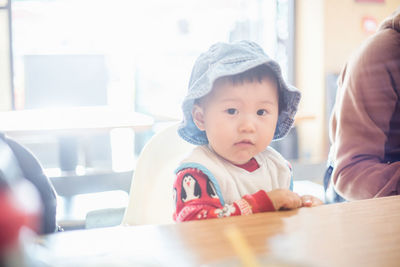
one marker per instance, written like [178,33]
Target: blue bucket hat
[227,59]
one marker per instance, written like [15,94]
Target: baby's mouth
[244,142]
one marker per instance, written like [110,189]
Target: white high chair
[150,197]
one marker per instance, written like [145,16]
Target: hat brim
[291,98]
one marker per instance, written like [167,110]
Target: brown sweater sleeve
[365,124]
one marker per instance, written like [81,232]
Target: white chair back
[150,197]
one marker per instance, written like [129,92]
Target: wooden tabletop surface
[358,233]
[71,120]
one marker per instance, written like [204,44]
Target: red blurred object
[369,24]
[17,211]
[370,1]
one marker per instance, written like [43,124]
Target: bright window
[130,53]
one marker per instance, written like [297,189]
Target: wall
[309,73]
[339,44]
[327,32]
[5,82]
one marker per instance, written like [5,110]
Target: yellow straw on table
[242,248]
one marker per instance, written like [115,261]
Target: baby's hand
[284,199]
[310,201]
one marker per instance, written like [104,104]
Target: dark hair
[256,74]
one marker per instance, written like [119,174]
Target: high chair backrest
[19,166]
[150,197]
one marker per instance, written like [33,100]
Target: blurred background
[137,56]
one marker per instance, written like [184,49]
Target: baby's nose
[247,124]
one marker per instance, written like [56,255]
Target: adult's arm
[365,125]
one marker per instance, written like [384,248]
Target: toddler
[237,103]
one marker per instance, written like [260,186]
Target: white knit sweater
[232,182]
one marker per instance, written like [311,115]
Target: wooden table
[70,125]
[72,128]
[72,121]
[359,233]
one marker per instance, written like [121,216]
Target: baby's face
[239,119]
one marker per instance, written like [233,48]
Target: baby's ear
[198,116]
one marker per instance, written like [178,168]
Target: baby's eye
[232,111]
[262,112]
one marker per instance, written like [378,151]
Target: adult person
[365,123]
